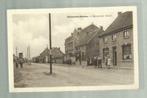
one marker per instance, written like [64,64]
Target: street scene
[61,49]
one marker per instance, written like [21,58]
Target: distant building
[44,57]
[57,55]
[117,41]
[70,45]
[35,59]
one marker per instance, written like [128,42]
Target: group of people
[18,62]
[97,61]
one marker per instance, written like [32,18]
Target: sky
[32,29]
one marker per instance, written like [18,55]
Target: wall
[120,40]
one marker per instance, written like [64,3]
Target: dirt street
[36,75]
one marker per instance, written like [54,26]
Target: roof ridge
[123,20]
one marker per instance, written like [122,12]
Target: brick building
[117,41]
[85,36]
[71,43]
[93,47]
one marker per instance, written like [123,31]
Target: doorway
[114,56]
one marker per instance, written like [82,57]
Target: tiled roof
[86,34]
[56,52]
[45,52]
[124,20]
[68,39]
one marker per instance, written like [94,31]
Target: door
[114,55]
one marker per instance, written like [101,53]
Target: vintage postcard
[73,49]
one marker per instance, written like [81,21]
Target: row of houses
[115,42]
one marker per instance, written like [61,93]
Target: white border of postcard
[71,88]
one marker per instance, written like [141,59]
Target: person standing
[95,61]
[21,61]
[80,58]
[109,62]
[99,62]
[88,61]
[106,61]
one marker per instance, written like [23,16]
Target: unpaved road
[36,75]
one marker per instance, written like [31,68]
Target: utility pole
[50,43]
[16,52]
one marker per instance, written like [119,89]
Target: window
[126,52]
[105,39]
[114,37]
[126,34]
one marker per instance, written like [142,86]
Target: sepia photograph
[73,49]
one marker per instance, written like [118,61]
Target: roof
[56,52]
[95,35]
[45,52]
[87,33]
[68,39]
[123,20]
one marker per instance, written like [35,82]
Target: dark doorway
[114,55]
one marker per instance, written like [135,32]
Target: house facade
[70,46]
[117,41]
[44,56]
[83,48]
[93,47]
[57,55]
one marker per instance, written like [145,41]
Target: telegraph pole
[50,43]
[16,51]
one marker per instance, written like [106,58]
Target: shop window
[126,52]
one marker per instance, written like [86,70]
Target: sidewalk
[84,64]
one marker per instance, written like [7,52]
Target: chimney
[79,29]
[119,13]
[101,27]
[71,34]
